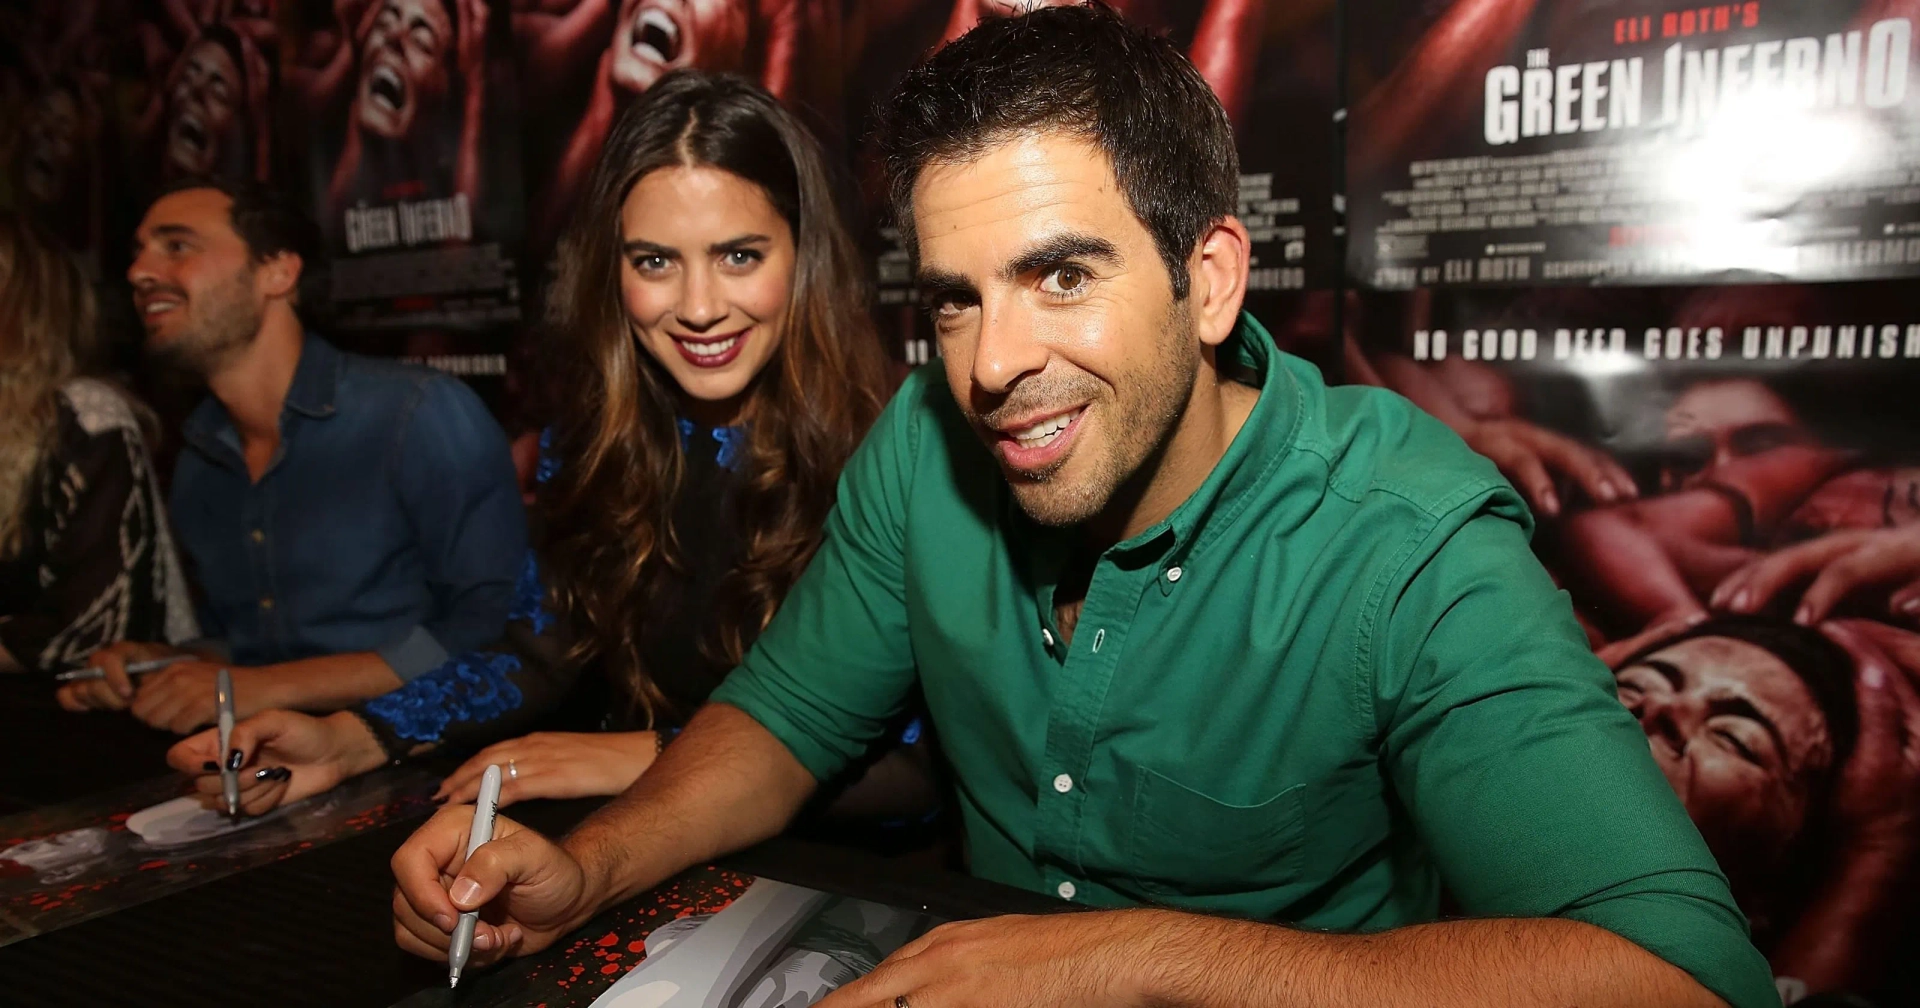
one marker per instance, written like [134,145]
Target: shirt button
[1063,783]
[259,536]
[266,603]
[1173,574]
[1046,635]
[1066,890]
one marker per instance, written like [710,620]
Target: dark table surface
[48,755]
[315,929]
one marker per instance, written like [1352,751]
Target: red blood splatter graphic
[609,939]
[610,968]
[636,946]
[151,865]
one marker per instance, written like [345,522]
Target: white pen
[484,808]
[229,767]
[133,669]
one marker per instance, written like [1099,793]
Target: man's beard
[224,322]
[1137,422]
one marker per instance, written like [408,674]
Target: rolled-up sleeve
[1530,783]
[455,477]
[836,662]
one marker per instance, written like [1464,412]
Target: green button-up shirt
[1332,680]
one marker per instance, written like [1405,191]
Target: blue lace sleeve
[474,687]
[530,596]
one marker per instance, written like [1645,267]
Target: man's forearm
[724,784]
[1509,963]
[322,684]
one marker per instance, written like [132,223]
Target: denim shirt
[389,520]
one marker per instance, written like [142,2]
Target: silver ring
[900,1002]
[513,771]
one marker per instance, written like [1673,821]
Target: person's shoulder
[369,372]
[98,407]
[921,406]
[1376,443]
[415,386]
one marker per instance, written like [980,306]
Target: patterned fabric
[99,565]
[529,596]
[732,442]
[473,688]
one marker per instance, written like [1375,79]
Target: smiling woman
[709,326]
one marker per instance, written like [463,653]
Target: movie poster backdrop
[405,116]
[1727,482]
[1273,65]
[1632,141]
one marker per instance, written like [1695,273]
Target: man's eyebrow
[1058,249]
[163,231]
[934,281]
[1741,707]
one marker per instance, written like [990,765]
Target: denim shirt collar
[316,382]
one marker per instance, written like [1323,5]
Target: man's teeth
[1045,432]
[156,307]
[714,349]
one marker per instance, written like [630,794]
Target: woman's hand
[556,765]
[284,757]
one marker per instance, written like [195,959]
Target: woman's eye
[1065,280]
[741,258]
[650,263]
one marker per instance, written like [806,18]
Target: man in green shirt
[1196,630]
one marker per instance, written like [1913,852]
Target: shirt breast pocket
[1186,843]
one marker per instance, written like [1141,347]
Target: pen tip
[453,979]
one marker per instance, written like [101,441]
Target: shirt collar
[316,381]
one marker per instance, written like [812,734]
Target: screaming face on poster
[1608,141]
[209,107]
[594,56]
[1726,483]
[415,164]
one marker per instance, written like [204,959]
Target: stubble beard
[225,322]
[1138,424]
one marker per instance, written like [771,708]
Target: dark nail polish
[264,772]
[234,758]
[210,766]
[281,773]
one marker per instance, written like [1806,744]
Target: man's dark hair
[1080,70]
[269,224]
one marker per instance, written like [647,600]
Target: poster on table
[404,118]
[1273,65]
[707,937]
[1632,142]
[1727,482]
[63,864]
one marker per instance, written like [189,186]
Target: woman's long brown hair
[609,544]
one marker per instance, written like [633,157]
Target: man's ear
[279,276]
[1217,274]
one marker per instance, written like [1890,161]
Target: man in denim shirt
[350,521]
